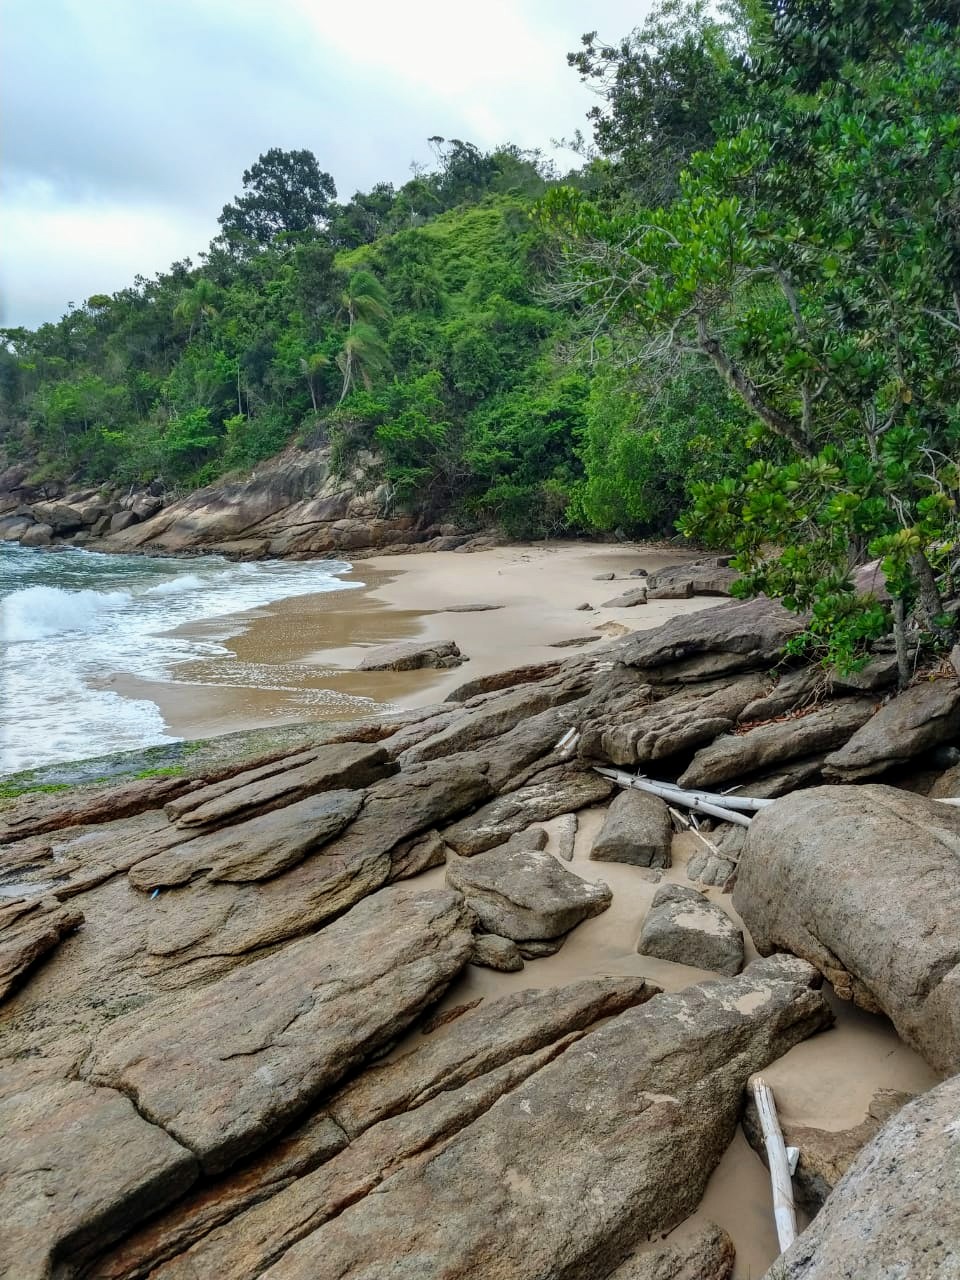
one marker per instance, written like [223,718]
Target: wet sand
[826,1082]
[297,659]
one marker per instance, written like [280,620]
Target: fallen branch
[784,1212]
[725,808]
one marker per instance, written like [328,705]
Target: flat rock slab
[29,929]
[687,928]
[225,1066]
[864,882]
[706,579]
[737,754]
[555,791]
[411,655]
[894,1211]
[914,721]
[78,1165]
[523,893]
[633,1117]
[341,765]
[257,849]
[636,830]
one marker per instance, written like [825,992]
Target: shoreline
[299,655]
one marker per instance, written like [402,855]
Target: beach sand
[296,659]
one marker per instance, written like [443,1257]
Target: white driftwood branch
[707,802]
[783,1208]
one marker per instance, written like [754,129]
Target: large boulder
[563,1175]
[522,893]
[737,754]
[894,1212]
[636,829]
[687,928]
[741,636]
[864,882]
[37,535]
[225,1066]
[702,578]
[916,720]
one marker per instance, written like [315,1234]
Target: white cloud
[126,126]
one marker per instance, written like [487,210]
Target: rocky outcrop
[411,655]
[636,830]
[522,893]
[920,718]
[29,928]
[736,755]
[633,1116]
[863,882]
[892,1213]
[687,928]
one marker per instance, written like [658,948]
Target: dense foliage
[740,313]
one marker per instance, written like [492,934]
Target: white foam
[36,613]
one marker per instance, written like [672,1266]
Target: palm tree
[197,305]
[310,366]
[364,356]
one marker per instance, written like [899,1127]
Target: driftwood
[727,808]
[779,1163]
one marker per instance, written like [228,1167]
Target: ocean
[70,619]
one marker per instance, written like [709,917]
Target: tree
[197,305]
[364,354]
[311,366]
[285,192]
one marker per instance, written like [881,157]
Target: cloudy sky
[125,125]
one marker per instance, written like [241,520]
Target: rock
[916,720]
[628,600]
[685,927]
[891,1214]
[583,608]
[29,929]
[947,786]
[410,857]
[705,867]
[537,948]
[499,680]
[691,1253]
[614,629]
[863,882]
[675,591]
[522,893]
[879,673]
[257,849]
[604,577]
[575,642]
[37,535]
[636,830]
[411,655]
[78,1166]
[225,1066]
[794,690]
[123,520]
[648,730]
[555,791]
[471,608]
[12,528]
[37,812]
[353,764]
[736,755]
[825,1154]
[566,833]
[703,578]
[633,1116]
[746,635]
[61,518]
[146,505]
[638,573]
[490,951]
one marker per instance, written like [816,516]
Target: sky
[126,125]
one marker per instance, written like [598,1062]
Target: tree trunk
[900,640]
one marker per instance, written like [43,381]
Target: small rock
[705,867]
[629,599]
[638,573]
[583,608]
[566,832]
[574,643]
[674,591]
[636,830]
[685,927]
[490,951]
[472,608]
[411,655]
[604,577]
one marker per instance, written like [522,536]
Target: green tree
[285,192]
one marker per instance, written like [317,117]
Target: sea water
[71,618]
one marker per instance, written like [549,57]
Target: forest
[736,316]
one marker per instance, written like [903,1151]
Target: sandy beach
[297,659]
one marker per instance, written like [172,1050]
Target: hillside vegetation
[741,312]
